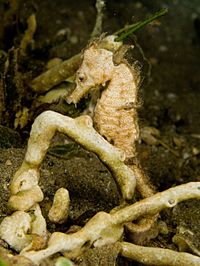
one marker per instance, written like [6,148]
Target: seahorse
[115,114]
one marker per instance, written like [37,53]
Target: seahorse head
[96,69]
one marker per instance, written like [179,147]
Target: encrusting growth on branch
[21,230]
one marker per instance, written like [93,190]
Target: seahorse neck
[120,77]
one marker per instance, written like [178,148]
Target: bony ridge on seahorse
[115,115]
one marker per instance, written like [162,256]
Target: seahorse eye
[81,77]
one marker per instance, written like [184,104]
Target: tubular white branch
[154,204]
[24,187]
[158,256]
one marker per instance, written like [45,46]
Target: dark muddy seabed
[170,102]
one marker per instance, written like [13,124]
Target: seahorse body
[115,115]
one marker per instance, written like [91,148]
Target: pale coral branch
[154,204]
[24,188]
[25,181]
[100,230]
[106,228]
[158,256]
[56,74]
